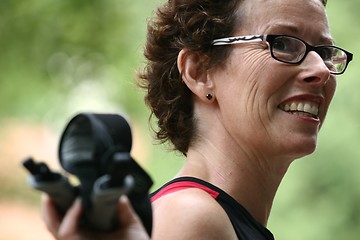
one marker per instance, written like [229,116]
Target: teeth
[293,107]
[300,107]
[305,107]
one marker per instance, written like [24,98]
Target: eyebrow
[280,27]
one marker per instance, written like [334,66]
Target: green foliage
[62,56]
[49,48]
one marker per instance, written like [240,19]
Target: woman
[241,88]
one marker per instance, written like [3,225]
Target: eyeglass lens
[292,50]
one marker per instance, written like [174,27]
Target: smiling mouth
[301,108]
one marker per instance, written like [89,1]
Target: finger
[69,225]
[131,226]
[126,213]
[50,214]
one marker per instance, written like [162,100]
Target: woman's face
[254,91]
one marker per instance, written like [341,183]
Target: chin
[305,148]
[300,148]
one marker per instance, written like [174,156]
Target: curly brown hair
[177,25]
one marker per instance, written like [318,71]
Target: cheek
[330,89]
[249,78]
[253,74]
[265,82]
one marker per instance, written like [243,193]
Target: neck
[251,180]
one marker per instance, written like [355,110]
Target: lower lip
[304,118]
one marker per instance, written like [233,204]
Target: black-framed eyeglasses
[293,50]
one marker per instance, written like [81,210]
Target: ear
[192,68]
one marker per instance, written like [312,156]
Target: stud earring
[209,96]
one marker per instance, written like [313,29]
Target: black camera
[96,149]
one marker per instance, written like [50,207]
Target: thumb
[126,213]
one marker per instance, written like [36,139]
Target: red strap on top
[177,186]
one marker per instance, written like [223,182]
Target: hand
[66,227]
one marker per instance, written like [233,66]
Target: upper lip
[306,103]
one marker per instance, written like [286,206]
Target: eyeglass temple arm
[238,39]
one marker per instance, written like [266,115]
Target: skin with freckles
[66,227]
[243,123]
[247,134]
[261,83]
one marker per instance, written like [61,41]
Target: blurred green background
[59,58]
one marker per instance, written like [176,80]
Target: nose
[315,71]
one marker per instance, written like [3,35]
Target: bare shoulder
[190,214]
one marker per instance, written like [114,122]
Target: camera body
[96,149]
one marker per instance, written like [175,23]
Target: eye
[326,53]
[287,44]
[280,44]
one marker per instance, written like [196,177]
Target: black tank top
[245,226]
